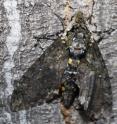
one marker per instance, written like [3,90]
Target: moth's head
[79,17]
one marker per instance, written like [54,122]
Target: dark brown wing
[42,77]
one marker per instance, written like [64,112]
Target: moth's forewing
[41,78]
[101,97]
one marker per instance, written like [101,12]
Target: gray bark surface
[22,23]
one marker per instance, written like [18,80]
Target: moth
[48,72]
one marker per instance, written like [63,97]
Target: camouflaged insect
[52,71]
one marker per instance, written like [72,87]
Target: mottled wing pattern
[41,78]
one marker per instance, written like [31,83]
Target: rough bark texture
[28,33]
